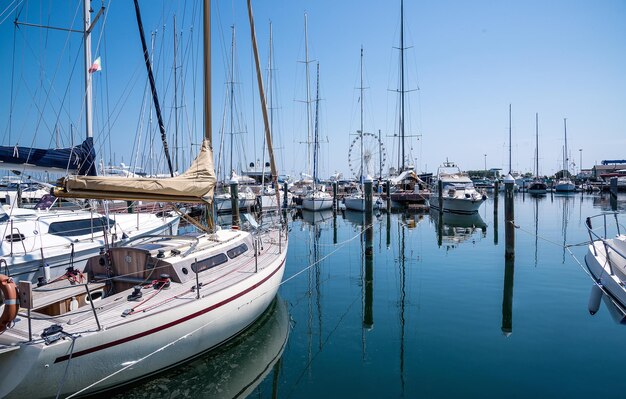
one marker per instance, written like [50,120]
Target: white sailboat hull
[611,279]
[130,347]
[357,203]
[317,201]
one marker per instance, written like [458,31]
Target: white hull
[458,192]
[223,202]
[458,205]
[317,201]
[606,255]
[565,187]
[174,327]
[357,203]
[24,255]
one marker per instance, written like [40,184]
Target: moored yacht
[458,193]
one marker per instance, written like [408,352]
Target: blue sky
[470,60]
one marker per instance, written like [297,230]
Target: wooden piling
[509,218]
[369,212]
[388,191]
[234,202]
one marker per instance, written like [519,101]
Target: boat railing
[51,294]
[608,231]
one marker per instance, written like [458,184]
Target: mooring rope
[339,246]
[547,240]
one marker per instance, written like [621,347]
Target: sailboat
[537,186]
[42,243]
[407,187]
[565,184]
[137,310]
[317,199]
[356,200]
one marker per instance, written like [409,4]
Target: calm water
[437,316]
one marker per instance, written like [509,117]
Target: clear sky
[465,63]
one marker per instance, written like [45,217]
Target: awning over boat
[79,159]
[407,174]
[195,185]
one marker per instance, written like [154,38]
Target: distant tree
[561,174]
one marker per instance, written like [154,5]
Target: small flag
[96,66]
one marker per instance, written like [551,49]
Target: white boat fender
[9,292]
[594,299]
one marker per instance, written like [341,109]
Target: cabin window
[238,250]
[79,227]
[208,263]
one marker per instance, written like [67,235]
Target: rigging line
[547,240]
[9,12]
[339,246]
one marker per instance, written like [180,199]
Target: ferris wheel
[374,155]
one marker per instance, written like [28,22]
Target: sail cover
[195,185]
[79,159]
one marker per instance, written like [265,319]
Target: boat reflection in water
[453,229]
[312,217]
[231,371]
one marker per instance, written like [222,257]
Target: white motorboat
[155,304]
[43,243]
[458,193]
[246,200]
[606,255]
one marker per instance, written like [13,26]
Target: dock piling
[234,202]
[509,217]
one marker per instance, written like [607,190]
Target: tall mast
[232,94]
[361,131]
[536,144]
[565,163]
[88,76]
[316,139]
[510,169]
[206,16]
[176,147]
[308,97]
[208,136]
[270,92]
[155,97]
[401,163]
[266,124]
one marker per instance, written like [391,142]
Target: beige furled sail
[194,185]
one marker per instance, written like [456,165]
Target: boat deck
[116,309]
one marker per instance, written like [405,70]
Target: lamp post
[581,160]
[485,165]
